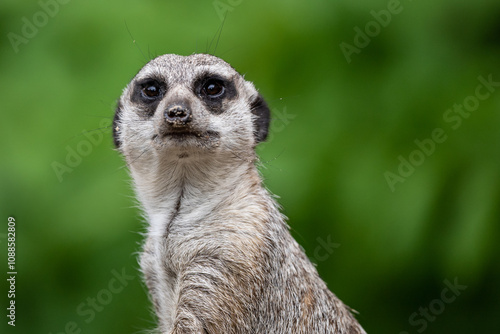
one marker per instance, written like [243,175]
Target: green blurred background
[340,124]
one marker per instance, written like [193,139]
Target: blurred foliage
[338,128]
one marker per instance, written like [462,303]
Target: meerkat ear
[116,125]
[262,117]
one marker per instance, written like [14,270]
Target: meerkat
[218,257]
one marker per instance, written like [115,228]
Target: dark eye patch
[148,93]
[213,90]
[151,91]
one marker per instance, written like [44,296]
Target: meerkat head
[180,106]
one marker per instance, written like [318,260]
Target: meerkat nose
[178,115]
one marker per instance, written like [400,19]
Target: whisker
[136,44]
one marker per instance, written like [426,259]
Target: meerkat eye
[213,88]
[151,90]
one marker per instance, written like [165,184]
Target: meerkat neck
[187,191]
